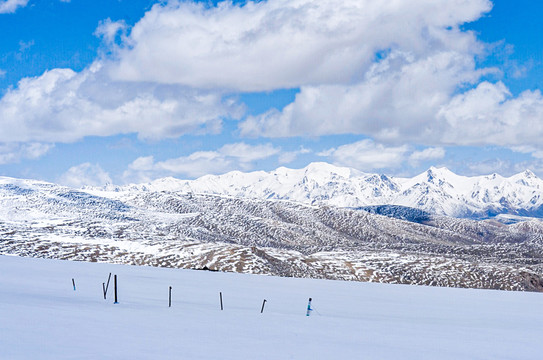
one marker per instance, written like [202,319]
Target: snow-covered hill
[43,318]
[176,229]
[437,191]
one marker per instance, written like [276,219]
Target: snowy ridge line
[174,229]
[437,190]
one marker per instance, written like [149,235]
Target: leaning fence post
[73,283]
[170,298]
[220,296]
[107,286]
[263,303]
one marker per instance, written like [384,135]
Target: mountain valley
[181,227]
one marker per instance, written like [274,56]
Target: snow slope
[43,318]
[437,191]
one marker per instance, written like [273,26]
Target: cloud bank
[400,72]
[395,71]
[368,155]
[65,106]
[276,44]
[236,156]
[85,174]
[12,152]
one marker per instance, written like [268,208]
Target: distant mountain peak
[436,191]
[440,171]
[529,174]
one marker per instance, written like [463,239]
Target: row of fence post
[105,287]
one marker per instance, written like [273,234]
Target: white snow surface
[437,190]
[42,317]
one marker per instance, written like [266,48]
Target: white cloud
[433,153]
[397,100]
[64,106]
[2,73]
[152,82]
[526,149]
[247,153]
[367,155]
[10,6]
[12,152]
[289,156]
[108,30]
[228,157]
[503,167]
[85,174]
[488,114]
[415,102]
[23,46]
[287,43]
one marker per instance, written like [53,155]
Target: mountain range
[322,221]
[437,191]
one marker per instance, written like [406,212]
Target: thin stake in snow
[220,296]
[263,303]
[309,308]
[170,298]
[104,289]
[107,286]
[115,287]
[73,283]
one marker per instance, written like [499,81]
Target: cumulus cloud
[12,152]
[108,30]
[10,6]
[275,44]
[64,106]
[398,100]
[415,83]
[488,114]
[367,155]
[417,102]
[433,153]
[228,157]
[396,71]
[85,174]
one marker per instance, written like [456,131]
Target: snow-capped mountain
[436,191]
[141,225]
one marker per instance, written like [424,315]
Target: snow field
[41,317]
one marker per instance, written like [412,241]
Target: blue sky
[130,91]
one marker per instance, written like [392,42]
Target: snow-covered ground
[42,317]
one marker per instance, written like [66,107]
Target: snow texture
[44,318]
